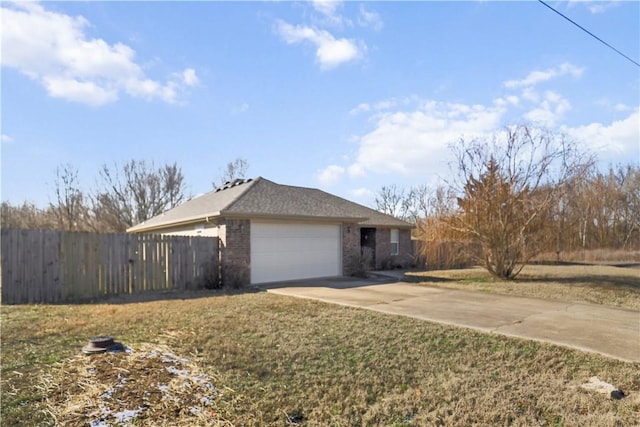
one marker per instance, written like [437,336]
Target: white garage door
[294,251]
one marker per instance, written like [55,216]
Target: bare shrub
[360,263]
[444,255]
[235,275]
[210,275]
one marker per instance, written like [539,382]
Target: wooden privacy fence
[51,266]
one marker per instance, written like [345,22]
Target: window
[395,242]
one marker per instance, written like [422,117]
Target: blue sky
[342,96]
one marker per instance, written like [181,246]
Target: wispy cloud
[362,193]
[330,52]
[330,175]
[326,7]
[53,49]
[241,108]
[540,76]
[383,105]
[550,110]
[369,18]
[595,6]
[6,138]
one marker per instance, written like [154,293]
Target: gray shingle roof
[261,198]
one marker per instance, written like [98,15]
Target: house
[271,232]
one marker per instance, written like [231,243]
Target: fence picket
[51,266]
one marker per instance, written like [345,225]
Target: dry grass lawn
[277,361]
[598,284]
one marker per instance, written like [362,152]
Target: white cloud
[371,19]
[326,7]
[6,138]
[550,110]
[330,175]
[417,142]
[189,77]
[618,140]
[362,193]
[412,137]
[330,52]
[53,49]
[506,101]
[329,11]
[622,107]
[361,108]
[595,6]
[356,170]
[384,105]
[539,76]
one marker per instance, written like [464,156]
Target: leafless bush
[235,275]
[360,263]
[210,275]
[444,255]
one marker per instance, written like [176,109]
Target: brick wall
[235,250]
[384,259]
[405,252]
[350,246]
[383,247]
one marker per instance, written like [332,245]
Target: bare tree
[629,182]
[393,201]
[136,192]
[69,208]
[233,170]
[27,216]
[506,188]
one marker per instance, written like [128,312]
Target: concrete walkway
[589,327]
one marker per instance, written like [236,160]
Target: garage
[288,251]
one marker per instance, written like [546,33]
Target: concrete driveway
[589,327]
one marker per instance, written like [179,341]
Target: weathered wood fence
[52,266]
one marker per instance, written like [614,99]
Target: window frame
[394,244]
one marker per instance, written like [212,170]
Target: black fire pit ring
[101,344]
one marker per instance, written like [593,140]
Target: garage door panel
[282,251]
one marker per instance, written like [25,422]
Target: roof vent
[233,183]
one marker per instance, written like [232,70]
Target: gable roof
[261,198]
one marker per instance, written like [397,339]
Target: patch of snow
[194,410]
[106,395]
[175,371]
[595,384]
[170,357]
[126,415]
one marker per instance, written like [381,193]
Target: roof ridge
[244,193]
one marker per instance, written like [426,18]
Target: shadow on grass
[595,281]
[149,296]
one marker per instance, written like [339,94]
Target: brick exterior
[235,252]
[350,246]
[383,247]
[384,259]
